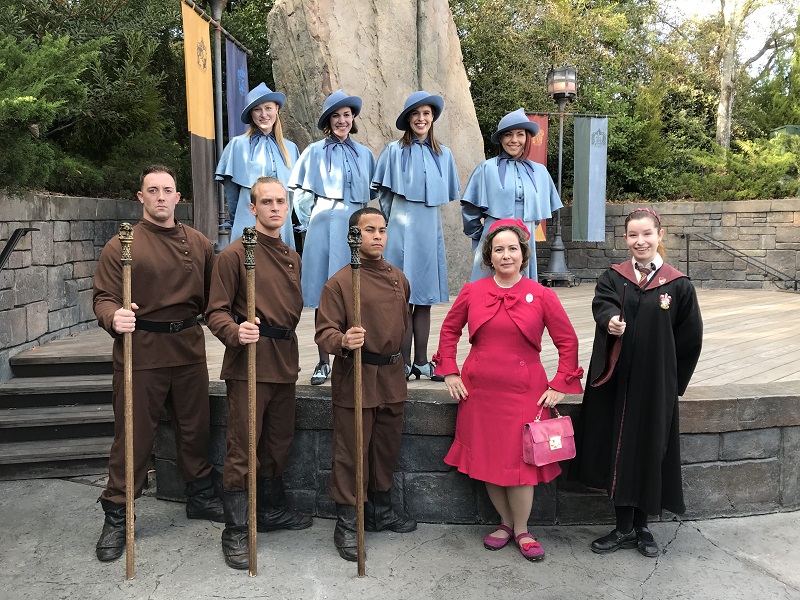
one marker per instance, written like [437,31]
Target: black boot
[235,545]
[344,534]
[271,509]
[380,514]
[111,544]
[202,501]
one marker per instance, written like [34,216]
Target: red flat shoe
[533,551]
[491,542]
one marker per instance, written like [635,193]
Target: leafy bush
[761,169]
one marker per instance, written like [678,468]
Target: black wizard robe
[627,434]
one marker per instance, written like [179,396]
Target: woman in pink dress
[503,383]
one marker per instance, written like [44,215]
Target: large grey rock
[382,52]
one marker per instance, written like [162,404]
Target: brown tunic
[170,275]
[279,302]
[384,316]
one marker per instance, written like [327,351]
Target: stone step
[61,357]
[56,422]
[54,458]
[29,392]
[44,368]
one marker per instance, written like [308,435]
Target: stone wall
[741,456]
[46,286]
[767,230]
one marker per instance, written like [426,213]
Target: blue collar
[503,159]
[407,152]
[258,137]
[332,141]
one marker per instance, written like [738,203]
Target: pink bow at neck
[493,298]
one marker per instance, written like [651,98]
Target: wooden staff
[125,240]
[249,241]
[354,241]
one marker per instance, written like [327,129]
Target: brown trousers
[184,392]
[383,431]
[275,409]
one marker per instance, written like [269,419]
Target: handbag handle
[539,414]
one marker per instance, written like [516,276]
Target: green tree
[38,83]
[123,103]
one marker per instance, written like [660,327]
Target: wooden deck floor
[751,337]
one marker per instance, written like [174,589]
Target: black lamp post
[562,86]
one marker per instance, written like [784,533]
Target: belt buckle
[288,334]
[394,358]
[176,326]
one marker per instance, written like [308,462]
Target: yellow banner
[199,87]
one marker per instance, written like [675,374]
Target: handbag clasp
[555,442]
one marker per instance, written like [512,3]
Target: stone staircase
[56,418]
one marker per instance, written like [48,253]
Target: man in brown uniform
[279,302]
[384,314]
[170,275]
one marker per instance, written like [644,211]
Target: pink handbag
[548,441]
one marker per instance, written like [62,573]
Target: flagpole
[217,6]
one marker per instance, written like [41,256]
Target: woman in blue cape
[416,175]
[508,186]
[261,151]
[331,180]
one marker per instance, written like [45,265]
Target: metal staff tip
[249,241]
[354,241]
[125,240]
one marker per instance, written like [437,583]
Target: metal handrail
[753,262]
[12,242]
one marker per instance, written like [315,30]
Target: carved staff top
[125,240]
[354,241]
[249,240]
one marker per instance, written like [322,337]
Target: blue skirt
[415,245]
[325,249]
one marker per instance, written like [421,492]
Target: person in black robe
[644,354]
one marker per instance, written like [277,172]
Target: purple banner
[237,86]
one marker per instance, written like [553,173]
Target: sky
[758,25]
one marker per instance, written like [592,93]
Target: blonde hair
[277,131]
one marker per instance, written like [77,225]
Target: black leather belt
[379,359]
[267,331]
[163,327]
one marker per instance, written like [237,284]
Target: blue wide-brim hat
[335,101]
[514,120]
[416,100]
[258,95]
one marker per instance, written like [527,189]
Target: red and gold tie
[643,273]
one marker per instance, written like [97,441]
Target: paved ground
[49,528]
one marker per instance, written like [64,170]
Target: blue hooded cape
[245,159]
[495,199]
[425,178]
[347,178]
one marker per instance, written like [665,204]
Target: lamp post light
[562,86]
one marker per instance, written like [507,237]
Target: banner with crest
[589,191]
[200,112]
[236,87]
[538,154]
